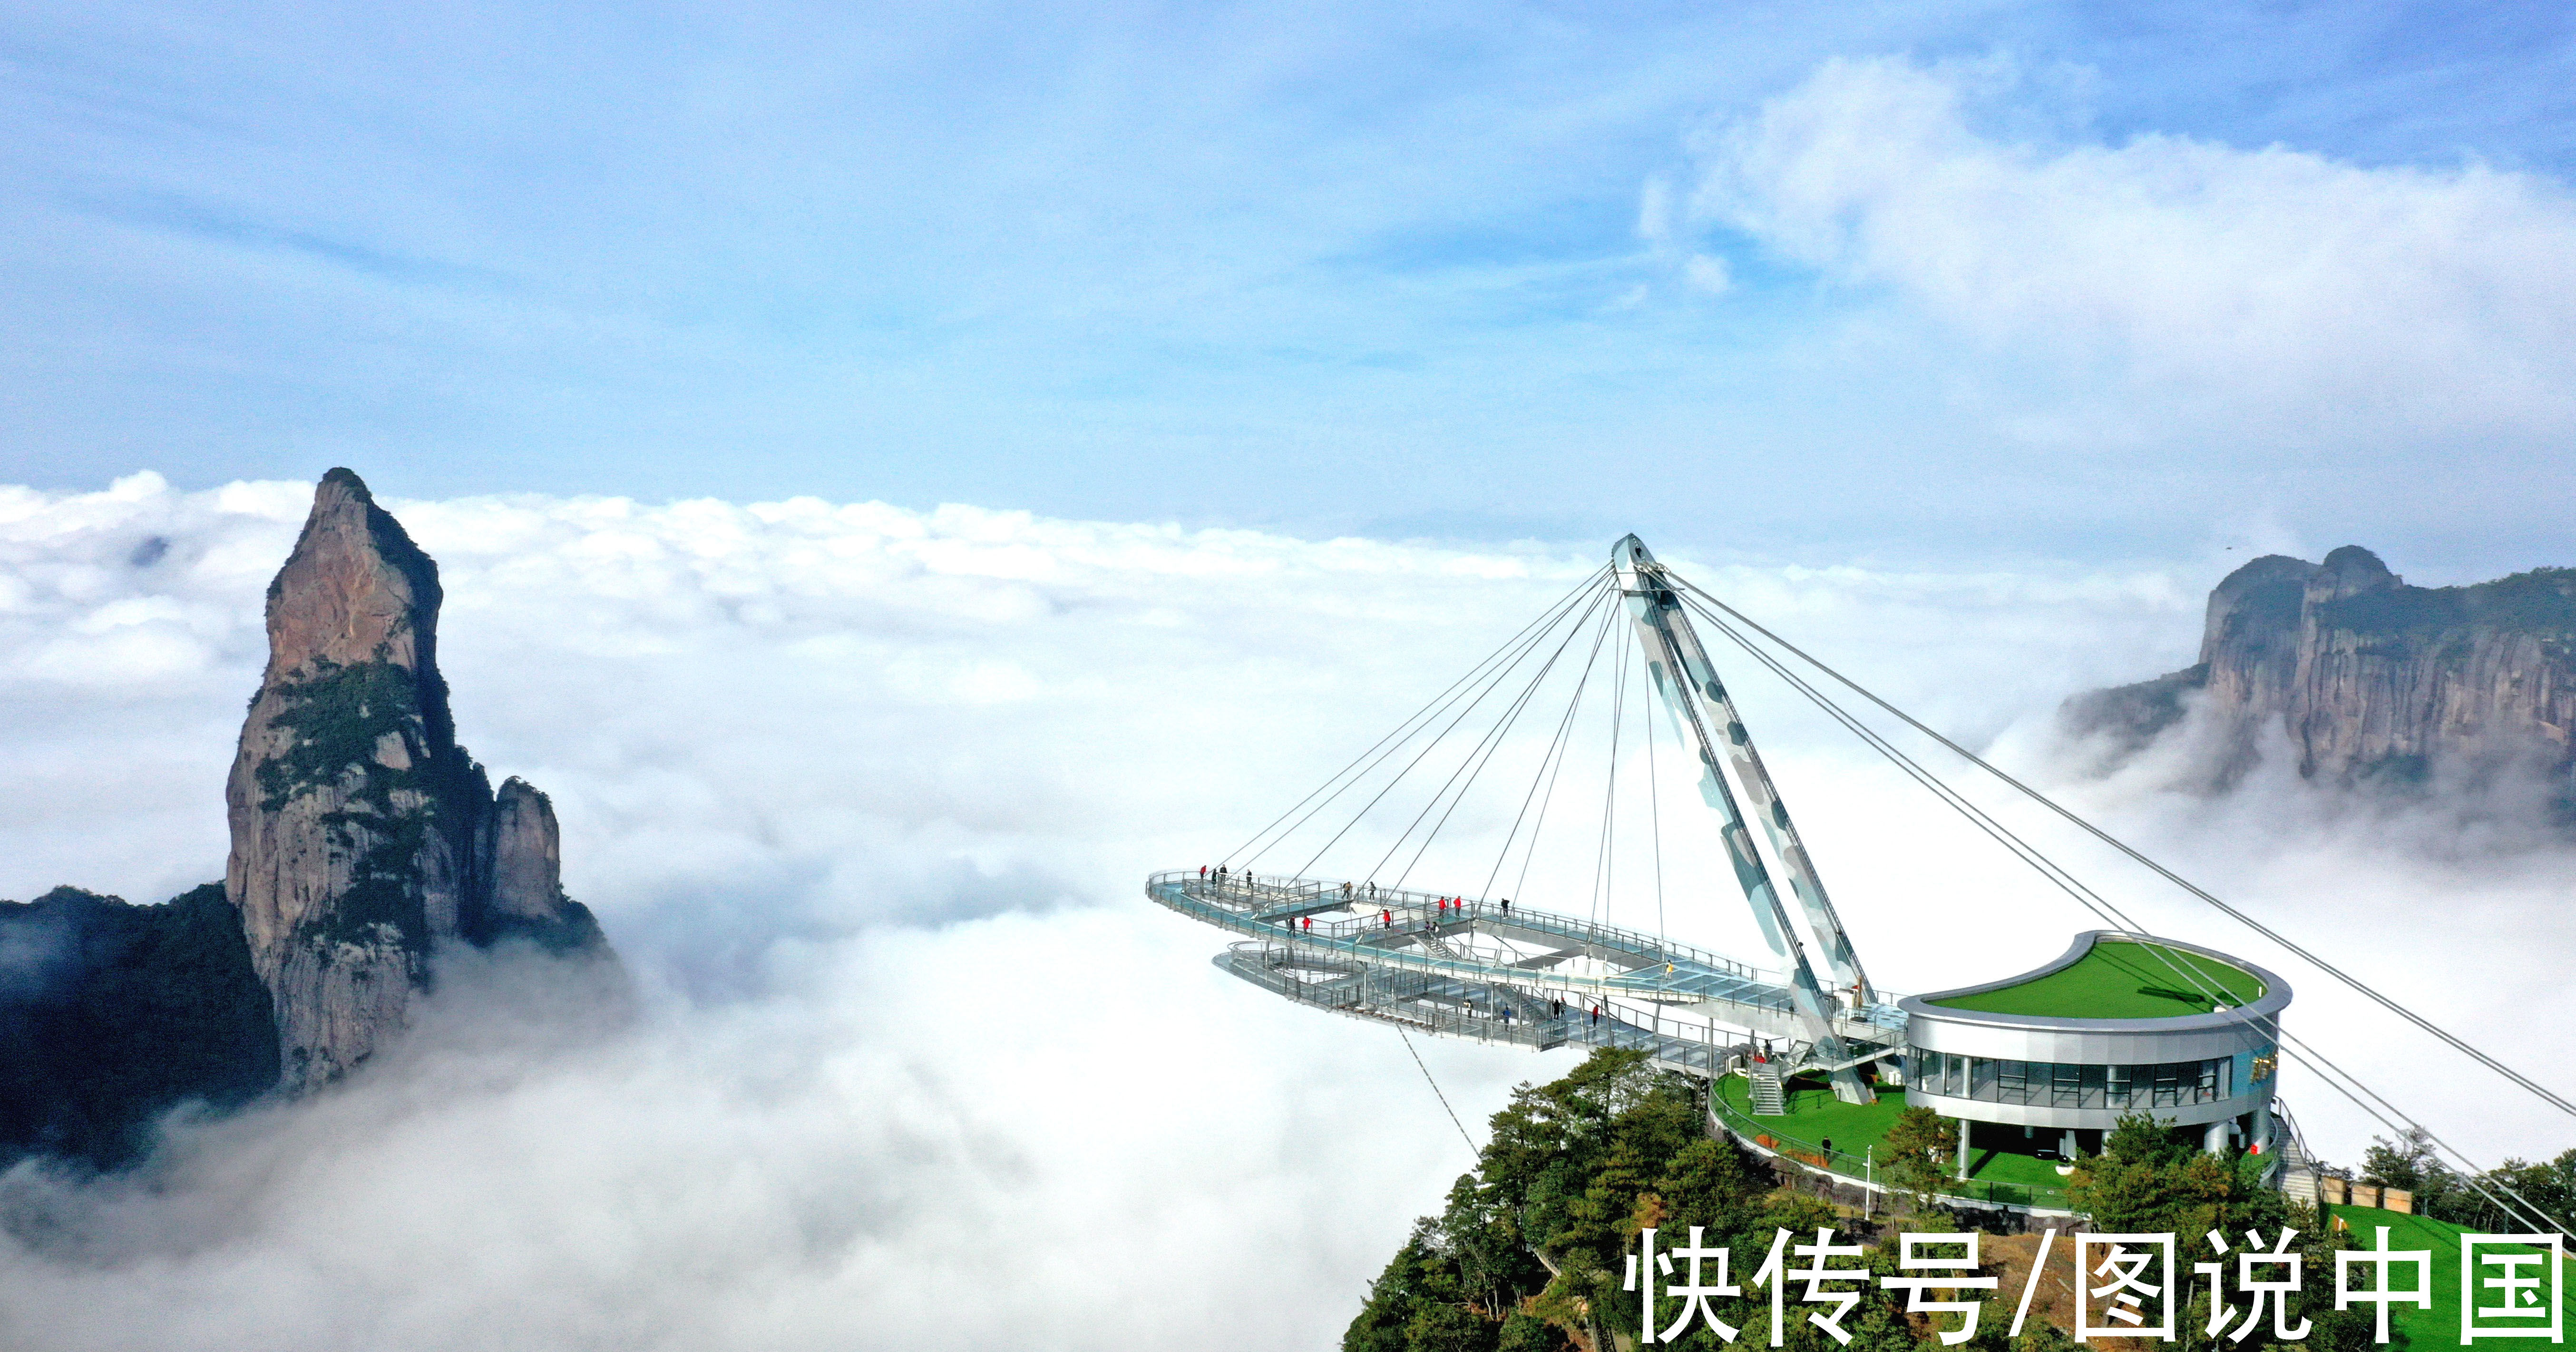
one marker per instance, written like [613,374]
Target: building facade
[2119,1024]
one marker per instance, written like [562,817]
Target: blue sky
[1789,282]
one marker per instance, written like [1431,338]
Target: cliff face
[518,860]
[363,836]
[2368,677]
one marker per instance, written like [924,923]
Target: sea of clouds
[864,796]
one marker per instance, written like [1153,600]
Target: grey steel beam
[1763,795]
[1693,696]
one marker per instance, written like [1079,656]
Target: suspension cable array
[1480,965]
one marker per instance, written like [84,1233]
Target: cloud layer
[865,796]
[1333,269]
[2263,279]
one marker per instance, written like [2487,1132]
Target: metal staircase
[1433,939]
[2297,1177]
[1768,1098]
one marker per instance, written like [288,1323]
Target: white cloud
[2320,298]
[865,796]
[1708,273]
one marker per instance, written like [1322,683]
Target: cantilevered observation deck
[1470,968]
[1372,948]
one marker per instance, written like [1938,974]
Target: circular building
[2045,1062]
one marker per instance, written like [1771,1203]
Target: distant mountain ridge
[364,838]
[2370,679]
[111,1014]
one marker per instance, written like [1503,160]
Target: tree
[2140,1137]
[2145,1181]
[1920,1149]
[2548,1187]
[1529,1333]
[1383,1319]
[2148,1180]
[2411,1162]
[1575,1170]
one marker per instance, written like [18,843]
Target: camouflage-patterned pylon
[1693,695]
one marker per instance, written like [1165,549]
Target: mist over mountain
[364,840]
[864,793]
[2358,678]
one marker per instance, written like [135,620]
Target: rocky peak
[2349,571]
[359,826]
[354,589]
[2368,677]
[518,856]
[2253,606]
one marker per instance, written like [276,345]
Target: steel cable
[1547,620]
[2331,1074]
[2455,1042]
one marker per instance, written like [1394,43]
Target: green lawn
[2005,1166]
[2119,979]
[1816,1116]
[2438,1326]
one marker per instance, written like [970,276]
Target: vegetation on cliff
[2150,1179]
[338,719]
[2371,679]
[1531,1252]
[364,838]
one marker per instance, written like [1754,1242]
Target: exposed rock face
[359,826]
[519,875]
[2368,677]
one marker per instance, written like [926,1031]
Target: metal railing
[1279,908]
[1469,968]
[1483,1010]
[1249,897]
[1391,925]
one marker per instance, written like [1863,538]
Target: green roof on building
[2119,979]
